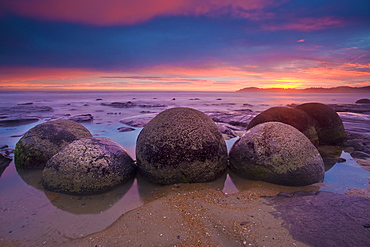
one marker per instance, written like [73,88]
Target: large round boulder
[328,124]
[181,145]
[87,166]
[277,153]
[41,142]
[291,116]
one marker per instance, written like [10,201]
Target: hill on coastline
[342,89]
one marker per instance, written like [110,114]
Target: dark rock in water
[82,118]
[152,105]
[125,129]
[26,108]
[4,160]
[16,121]
[127,104]
[98,99]
[173,98]
[87,166]
[181,145]
[294,117]
[328,124]
[325,219]
[229,130]
[277,153]
[139,122]
[30,103]
[233,118]
[356,108]
[363,101]
[41,142]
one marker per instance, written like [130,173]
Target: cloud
[113,12]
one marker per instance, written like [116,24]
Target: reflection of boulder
[87,166]
[330,155]
[181,145]
[147,191]
[92,204]
[4,162]
[265,188]
[31,177]
[277,153]
[41,142]
[291,116]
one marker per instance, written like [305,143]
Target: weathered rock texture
[87,166]
[328,124]
[277,153]
[41,142]
[325,219]
[294,117]
[181,145]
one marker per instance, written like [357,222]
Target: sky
[212,45]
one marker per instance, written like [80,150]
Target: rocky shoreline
[200,215]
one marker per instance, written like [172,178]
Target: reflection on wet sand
[76,204]
[92,204]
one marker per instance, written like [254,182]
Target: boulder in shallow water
[181,145]
[363,101]
[277,153]
[327,122]
[41,142]
[291,116]
[87,166]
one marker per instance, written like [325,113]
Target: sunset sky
[183,44]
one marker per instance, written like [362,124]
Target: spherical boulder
[181,145]
[277,153]
[41,142]
[87,166]
[327,122]
[291,116]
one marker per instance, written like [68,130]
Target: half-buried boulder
[41,142]
[294,117]
[277,153]
[328,124]
[181,145]
[87,166]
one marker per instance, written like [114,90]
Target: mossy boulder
[87,166]
[41,142]
[277,153]
[328,124]
[181,145]
[291,116]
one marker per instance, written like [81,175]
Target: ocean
[27,209]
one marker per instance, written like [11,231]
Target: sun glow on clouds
[218,78]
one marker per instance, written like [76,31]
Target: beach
[230,211]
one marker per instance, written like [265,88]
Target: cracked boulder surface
[87,166]
[41,142]
[181,145]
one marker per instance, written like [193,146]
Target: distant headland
[342,89]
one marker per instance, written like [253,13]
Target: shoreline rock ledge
[181,145]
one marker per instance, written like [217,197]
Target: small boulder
[328,124]
[291,116]
[181,145]
[87,166]
[363,101]
[41,142]
[277,153]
